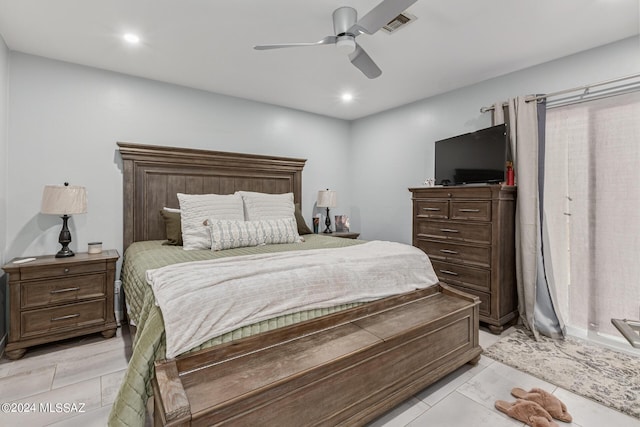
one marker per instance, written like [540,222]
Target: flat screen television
[472,158]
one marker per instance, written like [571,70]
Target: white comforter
[201,300]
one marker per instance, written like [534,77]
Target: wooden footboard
[343,369]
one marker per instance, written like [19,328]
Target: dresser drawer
[61,270]
[479,192]
[66,289]
[484,309]
[471,210]
[462,254]
[432,209]
[64,317]
[460,275]
[455,231]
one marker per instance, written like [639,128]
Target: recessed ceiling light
[347,97]
[131,38]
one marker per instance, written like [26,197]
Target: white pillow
[195,209]
[259,206]
[229,234]
[282,230]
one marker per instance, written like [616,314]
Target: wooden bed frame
[343,369]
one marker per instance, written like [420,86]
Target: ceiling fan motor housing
[343,19]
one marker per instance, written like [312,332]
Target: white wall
[65,120]
[393,150]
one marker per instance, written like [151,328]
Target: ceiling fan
[347,27]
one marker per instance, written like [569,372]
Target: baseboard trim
[605,340]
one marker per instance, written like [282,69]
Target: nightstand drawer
[462,254]
[68,316]
[463,276]
[473,210]
[44,292]
[448,230]
[61,270]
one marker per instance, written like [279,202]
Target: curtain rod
[562,92]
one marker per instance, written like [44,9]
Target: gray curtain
[536,306]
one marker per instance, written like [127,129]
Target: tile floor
[89,370]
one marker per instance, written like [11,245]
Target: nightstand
[51,299]
[344,234]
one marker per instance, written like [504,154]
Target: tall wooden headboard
[153,175]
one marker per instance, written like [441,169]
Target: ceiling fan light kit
[347,27]
[346,44]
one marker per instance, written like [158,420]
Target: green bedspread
[129,408]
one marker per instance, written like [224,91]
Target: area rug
[598,373]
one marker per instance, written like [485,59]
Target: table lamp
[64,200]
[327,199]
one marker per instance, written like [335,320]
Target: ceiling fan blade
[364,63]
[326,40]
[380,15]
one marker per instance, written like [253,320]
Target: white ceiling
[207,44]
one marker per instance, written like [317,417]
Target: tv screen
[476,157]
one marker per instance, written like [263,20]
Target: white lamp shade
[327,199]
[64,200]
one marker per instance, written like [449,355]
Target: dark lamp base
[64,253]
[64,239]
[327,222]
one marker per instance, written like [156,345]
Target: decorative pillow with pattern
[229,234]
[195,209]
[282,230]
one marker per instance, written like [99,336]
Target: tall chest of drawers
[56,298]
[469,235]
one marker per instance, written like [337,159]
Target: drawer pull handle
[449,230]
[70,316]
[470,210]
[451,273]
[448,251]
[66,270]
[59,291]
[431,209]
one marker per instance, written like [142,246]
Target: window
[592,210]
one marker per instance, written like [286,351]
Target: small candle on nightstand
[95,247]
